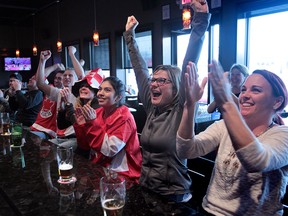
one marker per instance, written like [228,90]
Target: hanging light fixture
[34,49]
[186,18]
[95,34]
[17,52]
[59,43]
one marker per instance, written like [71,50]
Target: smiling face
[106,95]
[69,78]
[32,83]
[58,80]
[161,94]
[236,78]
[86,92]
[256,99]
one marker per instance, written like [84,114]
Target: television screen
[17,63]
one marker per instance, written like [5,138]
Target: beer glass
[5,123]
[112,193]
[65,164]
[5,132]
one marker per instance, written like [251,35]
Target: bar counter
[28,186]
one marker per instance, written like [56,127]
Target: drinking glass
[65,164]
[5,132]
[112,193]
[16,135]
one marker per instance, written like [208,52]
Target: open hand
[220,84]
[89,112]
[65,95]
[193,91]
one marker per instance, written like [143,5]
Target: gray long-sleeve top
[162,170]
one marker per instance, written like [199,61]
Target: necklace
[269,127]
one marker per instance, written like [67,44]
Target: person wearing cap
[86,91]
[25,105]
[14,79]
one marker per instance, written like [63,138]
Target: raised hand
[220,84]
[193,91]
[88,112]
[132,23]
[72,50]
[65,95]
[199,6]
[60,66]
[45,55]
[79,117]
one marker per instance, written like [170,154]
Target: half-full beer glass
[65,164]
[112,193]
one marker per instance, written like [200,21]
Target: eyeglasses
[159,81]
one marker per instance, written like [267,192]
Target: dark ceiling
[20,12]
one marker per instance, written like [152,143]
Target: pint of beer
[65,164]
[112,193]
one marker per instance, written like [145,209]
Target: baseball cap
[93,79]
[16,76]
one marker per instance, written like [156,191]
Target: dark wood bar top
[28,186]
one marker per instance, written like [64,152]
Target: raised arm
[241,135]
[138,63]
[50,69]
[76,64]
[193,93]
[40,74]
[199,25]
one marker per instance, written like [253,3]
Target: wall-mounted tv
[17,63]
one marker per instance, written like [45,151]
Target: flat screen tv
[17,63]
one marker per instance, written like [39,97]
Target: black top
[26,106]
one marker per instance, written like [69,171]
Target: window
[267,43]
[100,57]
[206,55]
[144,41]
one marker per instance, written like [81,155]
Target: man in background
[24,105]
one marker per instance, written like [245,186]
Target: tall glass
[65,164]
[16,134]
[5,132]
[112,193]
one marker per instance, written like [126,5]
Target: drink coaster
[73,179]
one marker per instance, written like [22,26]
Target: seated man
[26,106]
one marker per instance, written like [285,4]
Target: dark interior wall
[77,25]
